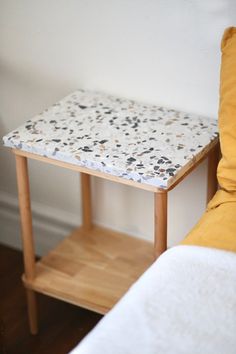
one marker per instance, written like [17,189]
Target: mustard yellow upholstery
[227,112]
[217,227]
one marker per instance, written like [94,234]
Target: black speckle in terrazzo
[131,159]
[103,141]
[87,149]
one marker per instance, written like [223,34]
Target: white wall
[159,51]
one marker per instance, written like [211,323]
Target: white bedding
[185,303]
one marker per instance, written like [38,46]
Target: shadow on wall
[24,93]
[34,83]
[6,163]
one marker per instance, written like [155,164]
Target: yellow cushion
[227,112]
[217,227]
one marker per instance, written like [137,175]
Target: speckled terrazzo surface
[144,143]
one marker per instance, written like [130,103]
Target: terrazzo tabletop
[148,144]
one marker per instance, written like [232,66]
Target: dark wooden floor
[61,325]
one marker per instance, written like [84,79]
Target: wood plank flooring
[61,325]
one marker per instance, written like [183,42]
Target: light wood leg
[32,310]
[160,223]
[212,183]
[86,201]
[27,235]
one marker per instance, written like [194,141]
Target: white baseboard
[50,225]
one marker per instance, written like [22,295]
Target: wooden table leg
[86,201]
[27,236]
[212,183]
[160,223]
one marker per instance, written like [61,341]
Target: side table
[144,146]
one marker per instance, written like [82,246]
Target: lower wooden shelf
[92,269]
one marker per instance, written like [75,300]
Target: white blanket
[184,304]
